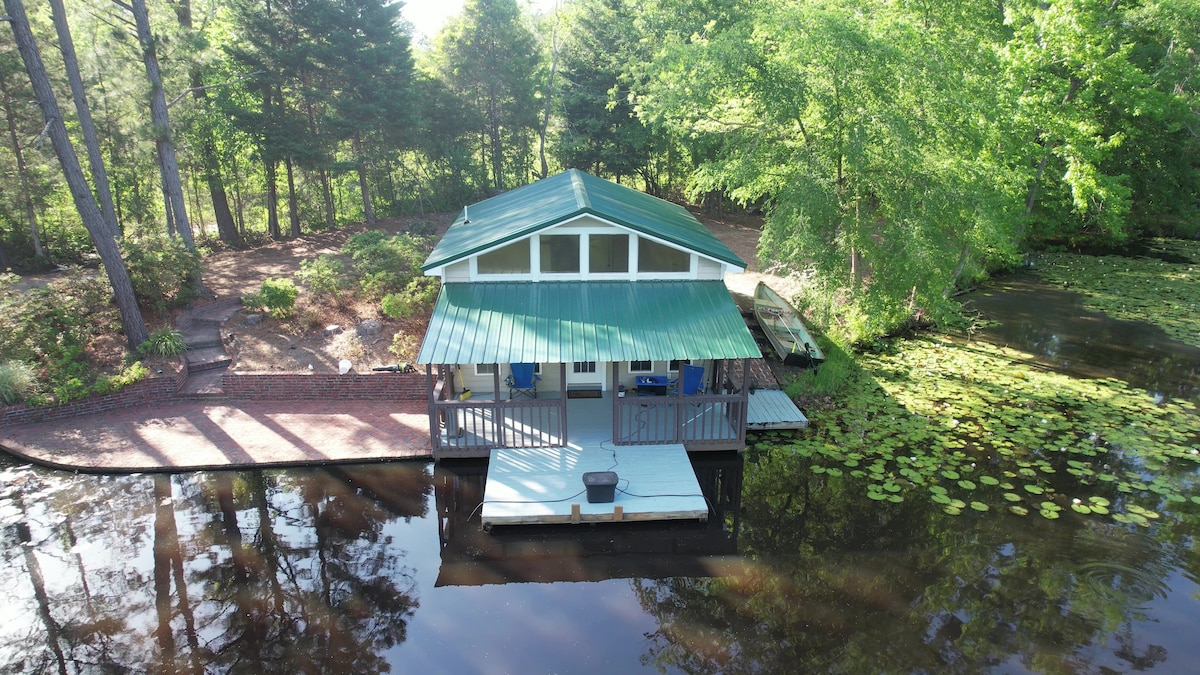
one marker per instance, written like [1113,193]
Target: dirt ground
[321,336]
[274,346]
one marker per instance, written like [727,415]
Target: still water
[383,568]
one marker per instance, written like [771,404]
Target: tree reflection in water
[255,572]
[302,571]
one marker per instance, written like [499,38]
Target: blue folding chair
[693,381]
[521,380]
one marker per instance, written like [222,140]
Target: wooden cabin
[614,302]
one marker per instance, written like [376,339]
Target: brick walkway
[222,434]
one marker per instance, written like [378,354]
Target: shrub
[163,342]
[419,295]
[835,373]
[385,264]
[277,296]
[17,381]
[323,276]
[162,270]
[405,347]
[134,372]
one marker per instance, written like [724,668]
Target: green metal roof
[567,321]
[525,210]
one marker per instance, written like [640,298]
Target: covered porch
[472,426]
[606,340]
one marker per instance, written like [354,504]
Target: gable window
[656,257]
[511,259]
[641,366]
[608,253]
[560,253]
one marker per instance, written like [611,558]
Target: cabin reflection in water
[550,553]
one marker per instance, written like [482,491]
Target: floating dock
[772,409]
[545,485]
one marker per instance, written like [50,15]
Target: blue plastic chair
[521,380]
[693,380]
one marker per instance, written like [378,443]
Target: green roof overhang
[521,212]
[563,322]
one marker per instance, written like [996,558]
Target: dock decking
[545,485]
[772,409]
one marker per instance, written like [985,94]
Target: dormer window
[511,259]
[656,257]
[560,253]
[608,253]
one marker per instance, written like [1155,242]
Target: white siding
[459,271]
[709,270]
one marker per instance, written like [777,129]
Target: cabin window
[511,259]
[485,368]
[560,253]
[656,257]
[676,363]
[584,367]
[641,366]
[608,253]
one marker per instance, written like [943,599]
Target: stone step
[203,385]
[208,358]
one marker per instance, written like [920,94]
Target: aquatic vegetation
[1165,293]
[975,426]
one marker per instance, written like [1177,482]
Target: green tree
[488,58]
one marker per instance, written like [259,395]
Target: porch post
[616,422]
[434,437]
[562,398]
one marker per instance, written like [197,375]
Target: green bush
[134,372]
[384,264]
[834,374]
[162,270]
[418,296]
[323,276]
[277,296]
[163,342]
[17,381]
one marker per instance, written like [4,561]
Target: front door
[586,372]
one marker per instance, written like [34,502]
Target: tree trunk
[163,142]
[549,95]
[226,228]
[368,207]
[26,192]
[85,203]
[293,206]
[95,158]
[273,200]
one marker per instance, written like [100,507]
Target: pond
[821,556]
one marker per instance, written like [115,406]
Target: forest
[897,149]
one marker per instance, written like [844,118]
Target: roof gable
[525,210]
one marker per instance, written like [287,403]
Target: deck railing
[706,421]
[475,426]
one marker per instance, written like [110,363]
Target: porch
[475,424]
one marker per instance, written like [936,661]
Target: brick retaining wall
[237,386]
[147,391]
[318,386]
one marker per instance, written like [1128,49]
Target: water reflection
[471,556]
[384,568]
[1054,326]
[250,572]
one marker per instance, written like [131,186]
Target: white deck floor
[545,485]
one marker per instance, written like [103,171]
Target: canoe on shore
[784,329]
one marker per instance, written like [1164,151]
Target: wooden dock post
[618,513]
[575,517]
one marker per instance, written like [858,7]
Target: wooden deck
[545,485]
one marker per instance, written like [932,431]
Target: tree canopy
[897,150]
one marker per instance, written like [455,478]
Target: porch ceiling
[562,322]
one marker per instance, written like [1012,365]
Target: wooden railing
[707,421]
[472,427]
